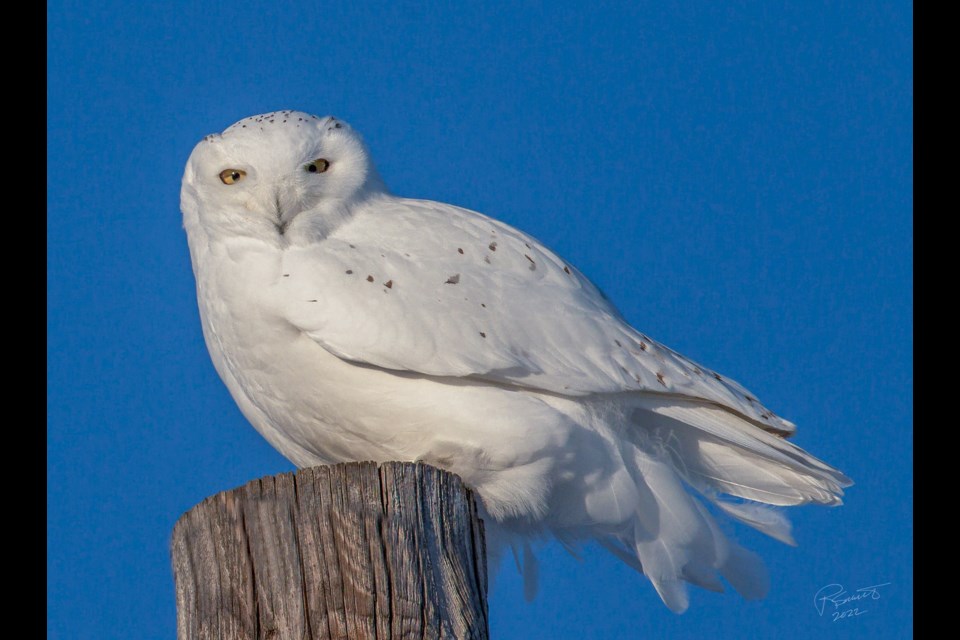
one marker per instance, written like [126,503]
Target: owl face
[263,172]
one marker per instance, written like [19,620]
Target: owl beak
[285,207]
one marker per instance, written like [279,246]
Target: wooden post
[347,551]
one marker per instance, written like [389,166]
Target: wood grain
[347,551]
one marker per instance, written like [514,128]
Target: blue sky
[736,176]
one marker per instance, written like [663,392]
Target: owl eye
[230,176]
[317,166]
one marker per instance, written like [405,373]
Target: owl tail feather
[681,458]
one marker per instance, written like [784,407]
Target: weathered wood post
[348,551]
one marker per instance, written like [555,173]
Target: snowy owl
[352,324]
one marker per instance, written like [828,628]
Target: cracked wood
[347,551]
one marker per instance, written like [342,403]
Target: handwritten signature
[845,604]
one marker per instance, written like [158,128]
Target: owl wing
[425,287]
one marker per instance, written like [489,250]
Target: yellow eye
[317,166]
[230,176]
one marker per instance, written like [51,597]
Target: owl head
[259,175]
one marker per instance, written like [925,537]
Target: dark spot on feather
[617,342]
[388,284]
[697,371]
[483,305]
[286,275]
[492,246]
[483,335]
[660,379]
[643,346]
[369,278]
[533,265]
[566,268]
[311,300]
[459,250]
[750,398]
[454,279]
[352,246]
[349,271]
[486,259]
[717,376]
[527,245]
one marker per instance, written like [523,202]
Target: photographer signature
[845,604]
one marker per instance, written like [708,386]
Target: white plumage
[351,324]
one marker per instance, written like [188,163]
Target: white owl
[352,324]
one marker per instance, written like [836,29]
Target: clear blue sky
[736,176]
